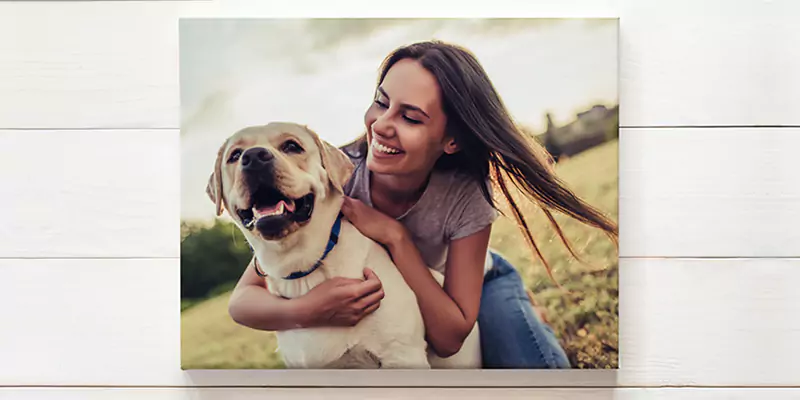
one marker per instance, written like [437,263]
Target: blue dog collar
[332,241]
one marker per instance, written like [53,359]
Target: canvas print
[399,193]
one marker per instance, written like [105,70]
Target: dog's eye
[235,156]
[290,146]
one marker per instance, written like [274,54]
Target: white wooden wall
[709,205]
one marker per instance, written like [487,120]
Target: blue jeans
[512,335]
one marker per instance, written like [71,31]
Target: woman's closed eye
[381,100]
[408,119]
[381,104]
[411,120]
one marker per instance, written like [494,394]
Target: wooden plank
[682,322]
[683,193]
[90,193]
[709,322]
[709,192]
[396,393]
[709,63]
[681,63]
[91,64]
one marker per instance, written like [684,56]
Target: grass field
[584,317]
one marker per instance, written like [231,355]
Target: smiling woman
[465,134]
[420,186]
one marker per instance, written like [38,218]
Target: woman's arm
[335,302]
[449,312]
[252,305]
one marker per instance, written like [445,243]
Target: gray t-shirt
[451,207]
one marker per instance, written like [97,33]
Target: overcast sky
[240,72]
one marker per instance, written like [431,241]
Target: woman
[437,139]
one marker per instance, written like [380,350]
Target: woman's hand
[371,222]
[343,301]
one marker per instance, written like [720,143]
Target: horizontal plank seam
[682,258]
[704,126]
[120,1]
[720,258]
[177,127]
[588,387]
[91,258]
[93,128]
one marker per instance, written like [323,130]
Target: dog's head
[270,178]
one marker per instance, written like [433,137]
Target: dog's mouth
[271,211]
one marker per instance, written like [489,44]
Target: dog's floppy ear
[336,163]
[214,186]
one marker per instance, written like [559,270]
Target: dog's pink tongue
[278,207]
[270,209]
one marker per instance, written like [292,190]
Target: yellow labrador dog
[282,186]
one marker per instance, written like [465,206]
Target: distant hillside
[590,128]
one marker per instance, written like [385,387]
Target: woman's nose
[383,126]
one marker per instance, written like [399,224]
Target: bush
[210,257]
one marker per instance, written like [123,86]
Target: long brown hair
[491,145]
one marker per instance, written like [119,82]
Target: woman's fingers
[369,300]
[370,285]
[369,310]
[341,281]
[370,275]
[347,209]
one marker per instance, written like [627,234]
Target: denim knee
[500,266]
[512,335]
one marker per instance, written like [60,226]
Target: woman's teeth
[384,149]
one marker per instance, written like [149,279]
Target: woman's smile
[384,151]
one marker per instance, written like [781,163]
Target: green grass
[210,339]
[584,316]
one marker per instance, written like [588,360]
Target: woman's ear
[451,147]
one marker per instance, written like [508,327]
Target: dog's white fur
[391,337]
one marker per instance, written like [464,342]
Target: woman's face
[406,123]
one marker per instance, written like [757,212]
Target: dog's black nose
[256,158]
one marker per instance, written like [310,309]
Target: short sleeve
[352,187]
[471,211]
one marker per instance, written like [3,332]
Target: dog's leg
[399,356]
